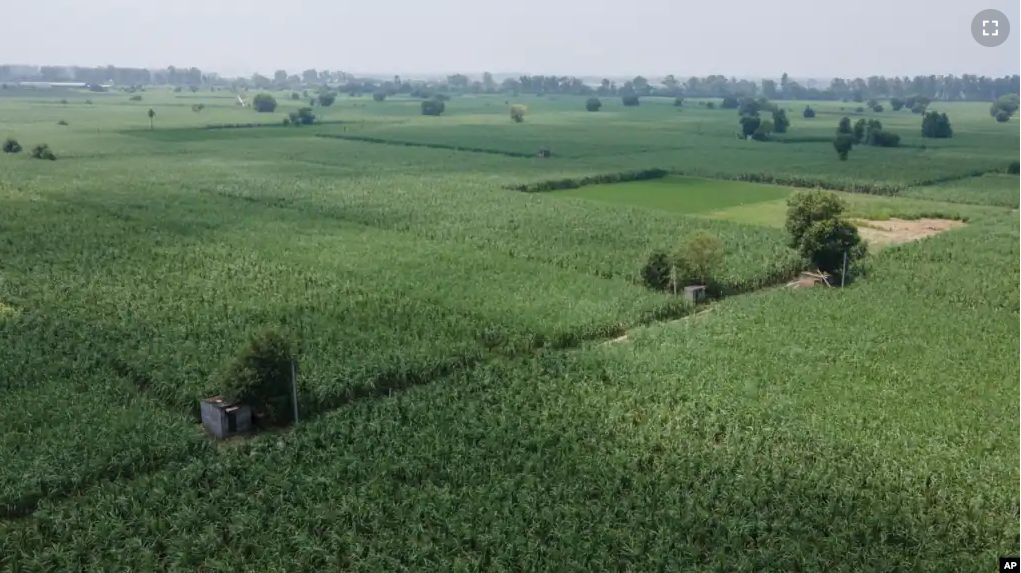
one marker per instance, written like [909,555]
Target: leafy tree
[593,104]
[517,113]
[264,103]
[816,229]
[432,107]
[780,121]
[896,103]
[804,208]
[295,96]
[697,259]
[152,114]
[809,113]
[678,102]
[630,100]
[825,242]
[877,108]
[843,144]
[872,103]
[1006,105]
[260,376]
[11,145]
[194,89]
[730,102]
[749,123]
[379,96]
[656,271]
[936,125]
[326,98]
[859,131]
[844,126]
[1014,167]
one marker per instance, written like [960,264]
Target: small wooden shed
[695,294]
[224,420]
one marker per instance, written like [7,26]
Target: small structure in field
[223,420]
[545,152]
[695,294]
[809,279]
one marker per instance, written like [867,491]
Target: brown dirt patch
[896,231]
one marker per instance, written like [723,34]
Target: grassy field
[462,409]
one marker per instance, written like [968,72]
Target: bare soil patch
[896,231]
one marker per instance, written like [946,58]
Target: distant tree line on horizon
[937,88]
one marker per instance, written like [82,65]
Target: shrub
[808,113]
[780,121]
[877,108]
[61,122]
[678,101]
[1004,106]
[730,102]
[710,105]
[295,96]
[843,144]
[303,116]
[43,151]
[593,104]
[697,260]
[63,102]
[264,103]
[630,100]
[287,121]
[884,139]
[326,98]
[379,96]
[859,110]
[936,125]
[896,103]
[11,145]
[749,123]
[517,113]
[844,126]
[198,107]
[656,271]
[135,98]
[1013,167]
[918,108]
[260,376]
[859,130]
[433,107]
[177,90]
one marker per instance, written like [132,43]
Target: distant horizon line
[235,73]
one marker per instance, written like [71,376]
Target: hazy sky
[806,38]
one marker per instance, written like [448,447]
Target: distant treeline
[937,88]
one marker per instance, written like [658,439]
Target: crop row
[751,438]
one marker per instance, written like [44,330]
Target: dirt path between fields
[624,337]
